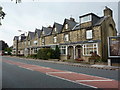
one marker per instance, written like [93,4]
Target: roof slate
[47,30]
[38,31]
[16,38]
[58,27]
[70,23]
[31,34]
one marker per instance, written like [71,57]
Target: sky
[27,16]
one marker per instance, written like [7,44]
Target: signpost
[113,48]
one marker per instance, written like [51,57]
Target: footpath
[106,67]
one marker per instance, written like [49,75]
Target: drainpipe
[74,52]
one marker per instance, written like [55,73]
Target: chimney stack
[72,19]
[108,11]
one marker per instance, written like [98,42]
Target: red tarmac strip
[88,80]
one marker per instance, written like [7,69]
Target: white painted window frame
[85,46]
[83,21]
[90,33]
[55,39]
[63,48]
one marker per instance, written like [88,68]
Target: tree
[8,50]
[57,52]
[2,14]
[3,45]
[17,1]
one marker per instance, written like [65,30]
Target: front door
[79,53]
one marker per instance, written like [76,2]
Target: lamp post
[24,32]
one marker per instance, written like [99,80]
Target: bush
[95,58]
[48,53]
[57,52]
[45,53]
[34,56]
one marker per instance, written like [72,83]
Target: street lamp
[24,32]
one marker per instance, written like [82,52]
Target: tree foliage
[2,14]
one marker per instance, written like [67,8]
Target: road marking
[58,72]
[92,76]
[26,68]
[29,69]
[92,80]
[71,81]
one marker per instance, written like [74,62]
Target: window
[55,29]
[35,42]
[43,32]
[89,34]
[88,48]
[85,19]
[66,37]
[25,43]
[55,39]
[63,50]
[35,50]
[43,41]
[66,26]
[28,42]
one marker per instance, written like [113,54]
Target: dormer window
[66,37]
[66,26]
[43,32]
[84,19]
[55,29]
[89,34]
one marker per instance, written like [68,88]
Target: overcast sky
[27,16]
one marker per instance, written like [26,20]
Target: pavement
[106,67]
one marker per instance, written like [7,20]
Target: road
[21,73]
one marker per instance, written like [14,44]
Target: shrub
[57,52]
[34,56]
[95,58]
[45,53]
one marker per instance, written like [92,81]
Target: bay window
[88,48]
[63,50]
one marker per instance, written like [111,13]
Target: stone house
[76,39]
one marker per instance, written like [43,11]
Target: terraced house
[75,39]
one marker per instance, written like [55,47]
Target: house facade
[75,39]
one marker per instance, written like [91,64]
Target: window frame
[55,39]
[66,37]
[85,49]
[90,35]
[63,50]
[66,26]
[89,17]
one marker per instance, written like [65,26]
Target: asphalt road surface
[20,73]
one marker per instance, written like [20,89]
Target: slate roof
[47,30]
[31,34]
[58,27]
[70,23]
[76,27]
[38,31]
[16,38]
[99,22]
[23,38]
